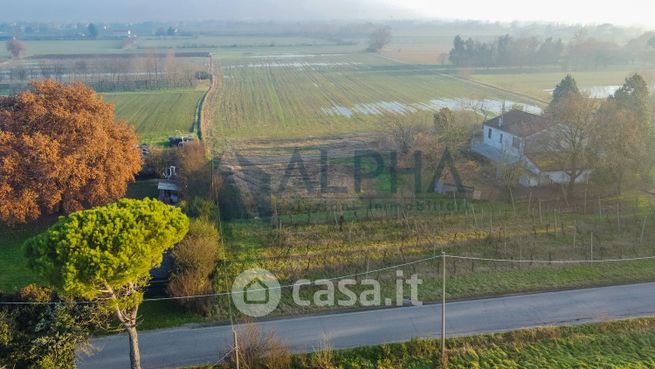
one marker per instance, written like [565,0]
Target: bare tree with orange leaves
[61,150]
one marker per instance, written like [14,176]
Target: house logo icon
[256,292]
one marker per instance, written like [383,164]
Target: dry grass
[258,350]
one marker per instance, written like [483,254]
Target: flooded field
[598,92]
[394,107]
[339,94]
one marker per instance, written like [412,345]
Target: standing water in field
[597,92]
[395,107]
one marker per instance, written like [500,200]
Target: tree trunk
[135,355]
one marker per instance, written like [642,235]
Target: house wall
[546,178]
[560,177]
[529,180]
[494,140]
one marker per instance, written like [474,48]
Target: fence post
[443,305]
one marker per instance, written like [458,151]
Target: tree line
[580,51]
[105,73]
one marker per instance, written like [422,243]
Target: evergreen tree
[568,87]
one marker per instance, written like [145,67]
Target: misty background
[627,12]
[194,10]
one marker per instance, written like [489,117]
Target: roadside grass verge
[617,344]
[621,344]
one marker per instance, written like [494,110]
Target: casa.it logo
[256,292]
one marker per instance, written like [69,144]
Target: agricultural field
[314,95]
[228,45]
[156,115]
[540,84]
[67,47]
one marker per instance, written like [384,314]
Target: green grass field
[14,272]
[156,115]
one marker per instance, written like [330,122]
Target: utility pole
[443,305]
[236,348]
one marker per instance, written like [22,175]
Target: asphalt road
[186,346]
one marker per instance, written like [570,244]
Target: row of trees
[580,51]
[506,51]
[112,72]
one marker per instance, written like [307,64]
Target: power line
[537,261]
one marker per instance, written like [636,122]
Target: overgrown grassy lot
[156,115]
[310,244]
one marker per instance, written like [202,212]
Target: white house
[514,138]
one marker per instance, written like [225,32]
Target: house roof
[167,186]
[549,162]
[518,123]
[546,162]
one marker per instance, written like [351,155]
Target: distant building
[514,138]
[169,192]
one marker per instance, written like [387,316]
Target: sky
[626,12]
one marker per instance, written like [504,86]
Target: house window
[501,138]
[489,133]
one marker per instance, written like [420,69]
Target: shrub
[202,75]
[195,172]
[324,357]
[201,208]
[260,351]
[195,260]
[191,283]
[44,335]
